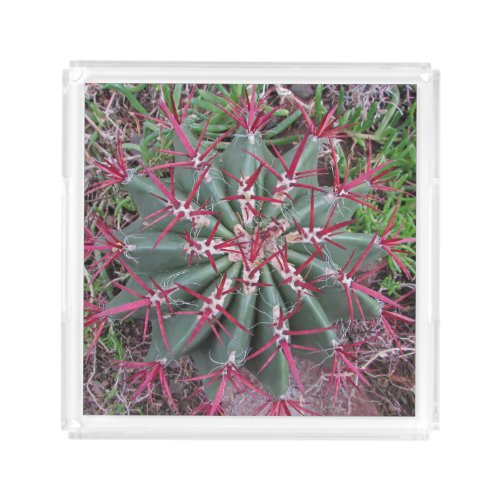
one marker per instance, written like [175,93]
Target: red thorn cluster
[212,306]
[250,112]
[116,170]
[148,374]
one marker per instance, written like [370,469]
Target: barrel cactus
[242,260]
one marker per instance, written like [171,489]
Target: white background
[37,39]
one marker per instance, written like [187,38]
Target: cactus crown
[241,259]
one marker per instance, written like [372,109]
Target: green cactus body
[169,261]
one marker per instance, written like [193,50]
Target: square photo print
[249,249]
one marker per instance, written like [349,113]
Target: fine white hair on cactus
[283,91]
[262,313]
[131,172]
[129,247]
[155,297]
